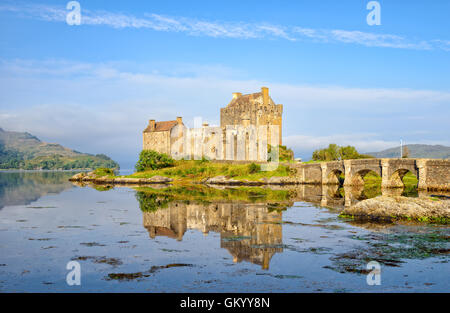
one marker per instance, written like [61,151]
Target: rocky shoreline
[222,180]
[91,177]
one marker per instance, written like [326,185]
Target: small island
[159,168]
[246,150]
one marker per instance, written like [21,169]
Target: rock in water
[386,208]
[78,177]
[160,179]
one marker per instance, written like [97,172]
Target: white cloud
[223,29]
[377,40]
[442,44]
[339,97]
[362,141]
[103,108]
[7,116]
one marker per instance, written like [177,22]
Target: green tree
[332,153]
[152,160]
[348,153]
[335,153]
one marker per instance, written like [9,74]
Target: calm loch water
[205,240]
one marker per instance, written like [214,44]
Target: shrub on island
[152,160]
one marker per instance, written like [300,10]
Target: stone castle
[247,125]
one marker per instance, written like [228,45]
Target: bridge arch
[396,179]
[334,177]
[394,171]
[356,170]
[357,179]
[331,172]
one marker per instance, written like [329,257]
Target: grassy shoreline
[193,172]
[197,171]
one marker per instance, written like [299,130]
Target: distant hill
[416,151]
[25,151]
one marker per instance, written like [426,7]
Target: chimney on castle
[179,120]
[152,125]
[265,94]
[236,95]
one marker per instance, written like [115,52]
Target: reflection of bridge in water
[335,196]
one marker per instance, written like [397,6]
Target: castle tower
[252,109]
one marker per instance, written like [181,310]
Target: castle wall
[215,143]
[157,141]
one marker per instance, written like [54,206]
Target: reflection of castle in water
[250,232]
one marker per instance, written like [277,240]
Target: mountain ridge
[416,151]
[22,150]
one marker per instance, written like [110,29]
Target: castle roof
[161,126]
[244,100]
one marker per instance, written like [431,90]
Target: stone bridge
[432,174]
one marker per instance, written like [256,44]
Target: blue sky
[93,87]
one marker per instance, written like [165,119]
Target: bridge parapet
[432,174]
[308,173]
